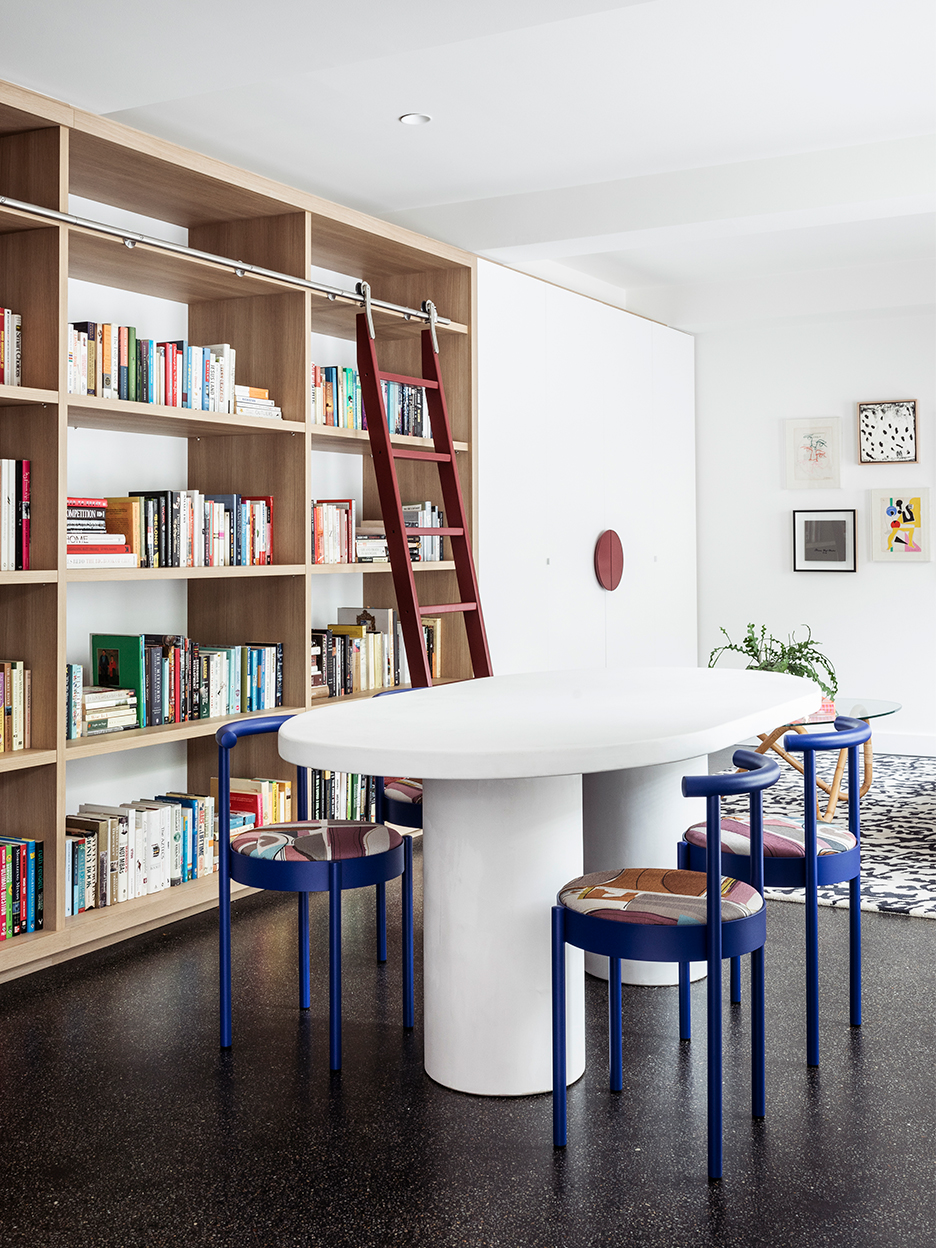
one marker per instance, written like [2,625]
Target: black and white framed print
[887,432]
[824,541]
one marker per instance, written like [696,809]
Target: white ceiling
[639,151]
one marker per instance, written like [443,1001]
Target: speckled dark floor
[124,1125]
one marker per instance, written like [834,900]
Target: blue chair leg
[758,1027]
[381,922]
[735,981]
[334,965]
[406,885]
[714,992]
[685,1013]
[560,1130]
[854,949]
[304,970]
[224,950]
[615,1045]
[812,915]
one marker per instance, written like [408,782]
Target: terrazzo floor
[123,1124]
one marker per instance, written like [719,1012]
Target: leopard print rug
[898,836]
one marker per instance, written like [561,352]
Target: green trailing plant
[796,657]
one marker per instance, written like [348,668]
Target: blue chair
[307,857]
[797,855]
[672,916]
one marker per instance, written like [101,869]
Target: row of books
[15,705]
[112,362]
[11,348]
[337,538]
[362,652]
[21,886]
[14,515]
[151,679]
[118,853]
[336,401]
[170,529]
[342,795]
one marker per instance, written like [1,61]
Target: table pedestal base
[635,818]
[495,853]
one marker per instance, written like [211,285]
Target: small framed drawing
[812,454]
[900,525]
[887,432]
[824,541]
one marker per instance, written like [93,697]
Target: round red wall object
[609,560]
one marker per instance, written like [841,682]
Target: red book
[22,503]
[99,550]
[84,502]
[250,803]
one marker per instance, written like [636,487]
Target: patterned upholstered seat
[783,838]
[656,896]
[316,840]
[403,789]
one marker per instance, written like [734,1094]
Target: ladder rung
[431,455]
[409,381]
[448,606]
[434,532]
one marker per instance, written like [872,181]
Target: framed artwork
[812,454]
[900,525]
[887,432]
[824,541]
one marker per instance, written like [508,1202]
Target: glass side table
[855,708]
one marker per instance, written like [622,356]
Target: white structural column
[635,818]
[495,853]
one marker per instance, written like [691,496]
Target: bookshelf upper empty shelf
[121,416]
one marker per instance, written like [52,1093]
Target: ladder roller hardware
[391,507]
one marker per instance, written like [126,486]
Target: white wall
[876,625]
[585,417]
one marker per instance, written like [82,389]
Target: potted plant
[796,657]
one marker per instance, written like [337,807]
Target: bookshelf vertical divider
[48,151]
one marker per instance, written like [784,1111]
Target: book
[117,661]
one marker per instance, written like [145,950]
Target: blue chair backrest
[848,735]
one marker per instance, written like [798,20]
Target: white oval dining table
[510,764]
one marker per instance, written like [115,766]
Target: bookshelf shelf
[184,574]
[120,416]
[29,578]
[357,441]
[135,738]
[339,569]
[18,759]
[49,151]
[26,396]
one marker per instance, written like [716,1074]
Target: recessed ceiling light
[415,119]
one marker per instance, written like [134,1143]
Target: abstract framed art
[887,432]
[900,525]
[812,453]
[824,541]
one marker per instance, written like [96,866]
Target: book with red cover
[251,803]
[268,499]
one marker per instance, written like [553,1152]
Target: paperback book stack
[111,362]
[14,515]
[333,530]
[90,545]
[11,348]
[263,801]
[118,853]
[21,886]
[255,401]
[370,544]
[188,529]
[342,795]
[361,653]
[174,679]
[16,701]
[425,516]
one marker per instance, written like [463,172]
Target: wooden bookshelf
[49,150]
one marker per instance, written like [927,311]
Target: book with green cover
[117,661]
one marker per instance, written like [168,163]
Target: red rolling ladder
[385,456]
